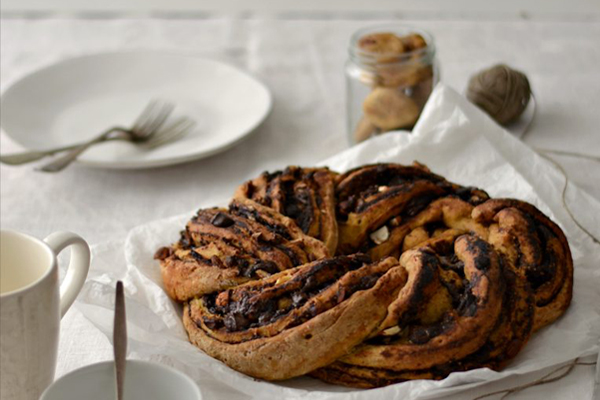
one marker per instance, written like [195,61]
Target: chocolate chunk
[216,261]
[209,322]
[468,305]
[236,322]
[231,261]
[197,256]
[292,210]
[242,265]
[297,204]
[162,253]
[310,284]
[267,266]
[345,207]
[267,312]
[290,253]
[483,262]
[186,239]
[358,260]
[481,250]
[423,334]
[464,193]
[250,189]
[471,195]
[418,204]
[397,181]
[451,262]
[419,336]
[366,282]
[222,220]
[537,275]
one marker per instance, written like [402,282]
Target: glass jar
[390,73]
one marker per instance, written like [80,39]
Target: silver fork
[170,133]
[150,120]
[144,128]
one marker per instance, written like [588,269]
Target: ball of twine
[500,91]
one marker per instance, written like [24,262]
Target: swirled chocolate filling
[538,274]
[230,239]
[253,215]
[297,204]
[294,192]
[366,186]
[257,305]
[415,326]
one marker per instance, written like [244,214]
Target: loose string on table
[548,378]
[563,197]
[570,154]
[545,153]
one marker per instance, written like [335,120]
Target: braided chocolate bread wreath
[382,274]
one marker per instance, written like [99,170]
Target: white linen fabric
[301,61]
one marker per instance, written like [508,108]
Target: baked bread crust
[464,316]
[536,249]
[384,360]
[372,197]
[326,326]
[304,194]
[223,248]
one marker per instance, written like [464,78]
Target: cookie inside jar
[390,74]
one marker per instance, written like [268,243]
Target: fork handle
[62,162]
[31,156]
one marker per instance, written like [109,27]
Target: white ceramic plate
[76,99]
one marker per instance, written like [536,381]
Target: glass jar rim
[368,57]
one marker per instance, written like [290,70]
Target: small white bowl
[143,381]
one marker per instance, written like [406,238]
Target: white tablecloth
[301,61]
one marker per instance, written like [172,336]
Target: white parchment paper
[454,139]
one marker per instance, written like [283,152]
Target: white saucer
[143,381]
[76,99]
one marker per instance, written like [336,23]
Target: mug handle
[78,267]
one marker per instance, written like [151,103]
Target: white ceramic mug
[31,306]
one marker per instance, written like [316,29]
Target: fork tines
[177,129]
[153,117]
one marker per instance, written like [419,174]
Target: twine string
[545,153]
[570,154]
[563,197]
[501,91]
[548,378]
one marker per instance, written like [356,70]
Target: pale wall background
[490,9]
